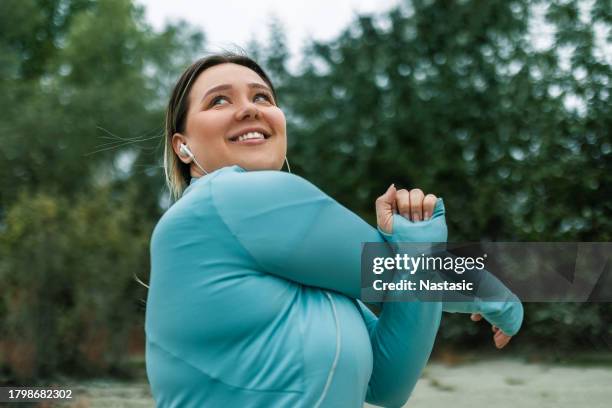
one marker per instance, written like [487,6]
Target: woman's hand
[413,205]
[500,338]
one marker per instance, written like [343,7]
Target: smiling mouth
[250,136]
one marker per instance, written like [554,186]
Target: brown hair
[177,173]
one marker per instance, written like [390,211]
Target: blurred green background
[449,96]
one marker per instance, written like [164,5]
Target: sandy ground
[496,383]
[501,384]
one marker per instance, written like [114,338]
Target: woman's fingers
[416,204]
[402,200]
[499,338]
[429,203]
[385,206]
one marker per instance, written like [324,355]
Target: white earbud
[186,151]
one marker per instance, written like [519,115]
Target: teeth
[251,135]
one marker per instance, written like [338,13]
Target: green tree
[84,85]
[70,301]
[453,97]
[99,84]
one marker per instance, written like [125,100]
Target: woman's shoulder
[236,183]
[232,190]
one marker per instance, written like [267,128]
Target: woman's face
[233,119]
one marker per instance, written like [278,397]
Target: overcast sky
[236,22]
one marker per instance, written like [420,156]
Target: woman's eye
[217,99]
[264,96]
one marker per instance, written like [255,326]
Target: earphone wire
[198,164]
[287,162]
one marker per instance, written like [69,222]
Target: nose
[248,110]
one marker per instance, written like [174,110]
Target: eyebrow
[228,86]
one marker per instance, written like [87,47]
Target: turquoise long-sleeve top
[253,300]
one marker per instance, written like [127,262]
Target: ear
[177,139]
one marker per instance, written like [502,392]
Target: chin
[253,165]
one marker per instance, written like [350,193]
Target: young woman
[255,280]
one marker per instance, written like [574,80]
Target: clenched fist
[413,205]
